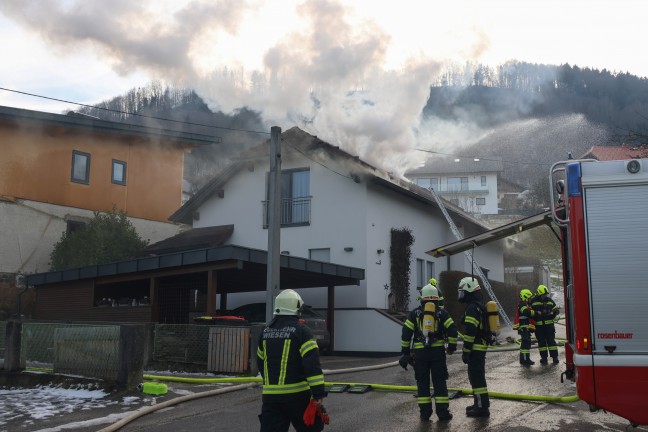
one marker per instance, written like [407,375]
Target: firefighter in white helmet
[289,363]
[546,311]
[429,326]
[475,345]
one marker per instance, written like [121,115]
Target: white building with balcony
[470,183]
[336,208]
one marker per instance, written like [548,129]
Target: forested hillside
[530,115]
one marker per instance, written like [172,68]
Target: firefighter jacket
[524,317]
[444,326]
[288,360]
[545,310]
[473,321]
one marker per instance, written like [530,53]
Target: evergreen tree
[108,237]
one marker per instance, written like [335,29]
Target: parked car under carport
[256,313]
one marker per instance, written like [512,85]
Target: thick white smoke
[331,73]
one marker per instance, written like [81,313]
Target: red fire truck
[601,210]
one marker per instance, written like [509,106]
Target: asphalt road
[371,411]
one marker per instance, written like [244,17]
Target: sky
[353,72]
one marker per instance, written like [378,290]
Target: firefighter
[546,311]
[289,362]
[475,345]
[525,326]
[429,330]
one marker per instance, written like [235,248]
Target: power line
[485,158]
[134,114]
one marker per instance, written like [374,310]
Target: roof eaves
[98,125]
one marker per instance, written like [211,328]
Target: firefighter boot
[555,360]
[480,409]
[544,361]
[426,412]
[474,405]
[444,415]
[525,360]
[478,412]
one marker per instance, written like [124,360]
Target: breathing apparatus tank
[429,312]
[493,316]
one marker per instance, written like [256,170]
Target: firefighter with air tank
[429,326]
[546,311]
[475,344]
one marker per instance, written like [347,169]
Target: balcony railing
[294,211]
[461,191]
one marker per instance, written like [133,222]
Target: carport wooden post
[154,284]
[330,316]
[274,220]
[212,290]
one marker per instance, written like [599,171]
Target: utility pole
[274,220]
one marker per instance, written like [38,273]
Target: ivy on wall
[400,254]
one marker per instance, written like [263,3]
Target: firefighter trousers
[431,362]
[546,336]
[525,345]
[477,378]
[278,416]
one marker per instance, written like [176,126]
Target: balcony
[445,191]
[294,212]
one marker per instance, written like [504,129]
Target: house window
[480,201]
[323,254]
[428,183]
[80,167]
[457,183]
[430,269]
[295,198]
[118,172]
[72,226]
[420,274]
[483,180]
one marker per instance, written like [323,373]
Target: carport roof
[240,269]
[507,230]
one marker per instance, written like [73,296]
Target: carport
[167,288]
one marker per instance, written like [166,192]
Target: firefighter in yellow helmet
[289,362]
[475,345]
[546,311]
[524,324]
[429,326]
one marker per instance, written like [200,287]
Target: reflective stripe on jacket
[473,327]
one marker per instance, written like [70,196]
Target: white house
[470,183]
[337,208]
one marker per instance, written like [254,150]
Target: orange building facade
[92,164]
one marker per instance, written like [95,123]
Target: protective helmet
[429,292]
[467,285]
[525,294]
[433,282]
[542,290]
[288,302]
